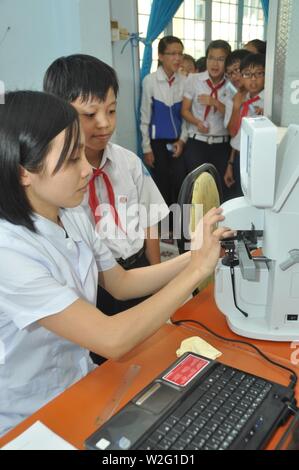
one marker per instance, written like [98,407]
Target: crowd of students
[190,116]
[80,262]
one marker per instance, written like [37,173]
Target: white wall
[95,29]
[42,30]
[125,12]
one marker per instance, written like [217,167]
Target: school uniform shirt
[138,202]
[41,274]
[235,142]
[161,107]
[196,85]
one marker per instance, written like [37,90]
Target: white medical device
[260,294]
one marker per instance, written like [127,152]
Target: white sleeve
[103,256]
[28,298]
[184,133]
[228,111]
[146,114]
[152,205]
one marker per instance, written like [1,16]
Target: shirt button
[69,245]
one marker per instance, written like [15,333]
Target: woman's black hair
[260,46]
[219,44]
[236,56]
[29,121]
[253,60]
[80,75]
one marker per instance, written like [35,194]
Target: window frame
[208,24]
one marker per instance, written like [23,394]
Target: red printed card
[186,370]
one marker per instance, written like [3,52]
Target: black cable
[232,274]
[293,378]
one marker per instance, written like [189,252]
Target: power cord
[293,377]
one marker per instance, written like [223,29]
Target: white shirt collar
[107,156]
[161,75]
[48,228]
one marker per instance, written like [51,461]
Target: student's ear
[25,176]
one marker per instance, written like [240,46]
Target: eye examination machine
[257,281]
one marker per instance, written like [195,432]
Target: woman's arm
[112,337]
[140,282]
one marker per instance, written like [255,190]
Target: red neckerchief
[171,80]
[214,93]
[93,199]
[245,109]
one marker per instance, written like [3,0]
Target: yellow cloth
[199,346]
[205,192]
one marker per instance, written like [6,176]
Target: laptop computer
[195,404]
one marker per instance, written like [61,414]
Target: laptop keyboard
[212,416]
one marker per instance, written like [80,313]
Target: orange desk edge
[73,414]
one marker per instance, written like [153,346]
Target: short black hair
[261,46]
[219,44]
[253,60]
[189,58]
[29,121]
[201,64]
[236,56]
[166,41]
[80,75]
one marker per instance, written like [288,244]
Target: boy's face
[171,59]
[98,120]
[187,67]
[253,79]
[215,63]
[233,73]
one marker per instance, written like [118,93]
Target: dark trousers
[169,172]
[196,153]
[111,306]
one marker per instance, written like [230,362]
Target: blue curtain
[265,5]
[161,13]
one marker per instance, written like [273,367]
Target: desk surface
[74,413]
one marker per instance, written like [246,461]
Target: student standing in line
[121,188]
[163,130]
[188,65]
[203,109]
[233,85]
[248,101]
[52,261]
[201,64]
[256,46]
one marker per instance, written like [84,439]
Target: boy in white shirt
[163,130]
[233,85]
[121,191]
[203,109]
[248,101]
